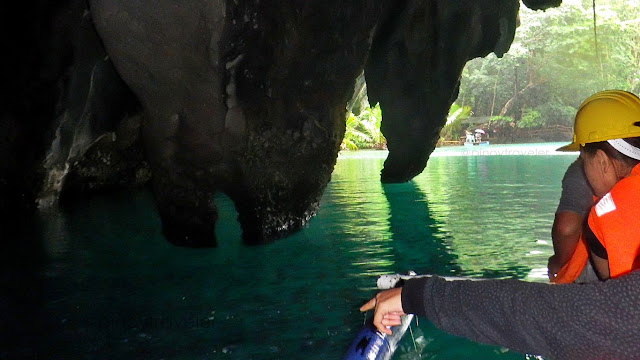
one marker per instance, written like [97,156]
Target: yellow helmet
[606,115]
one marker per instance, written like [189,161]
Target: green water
[115,289]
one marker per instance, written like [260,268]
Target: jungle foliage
[555,62]
[558,58]
[363,130]
[454,126]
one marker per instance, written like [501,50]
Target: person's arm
[575,201]
[570,321]
[566,231]
[601,266]
[599,254]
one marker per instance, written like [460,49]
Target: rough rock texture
[416,60]
[37,50]
[244,97]
[96,104]
[115,160]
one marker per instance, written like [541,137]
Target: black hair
[591,149]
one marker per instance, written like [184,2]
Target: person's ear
[603,161]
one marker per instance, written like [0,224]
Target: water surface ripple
[113,288]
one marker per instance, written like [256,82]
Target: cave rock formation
[248,98]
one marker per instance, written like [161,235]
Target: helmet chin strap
[625,148]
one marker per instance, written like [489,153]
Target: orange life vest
[615,221]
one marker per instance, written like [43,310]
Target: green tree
[554,63]
[453,128]
[529,119]
[363,130]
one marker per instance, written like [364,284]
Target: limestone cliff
[243,97]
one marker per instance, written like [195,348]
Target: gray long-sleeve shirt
[572,321]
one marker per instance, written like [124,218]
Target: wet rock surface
[243,97]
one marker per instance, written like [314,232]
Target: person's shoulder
[574,176]
[575,168]
[630,185]
[625,194]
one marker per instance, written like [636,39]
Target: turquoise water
[115,289]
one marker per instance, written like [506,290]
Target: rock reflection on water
[109,286]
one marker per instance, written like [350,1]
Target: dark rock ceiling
[243,97]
